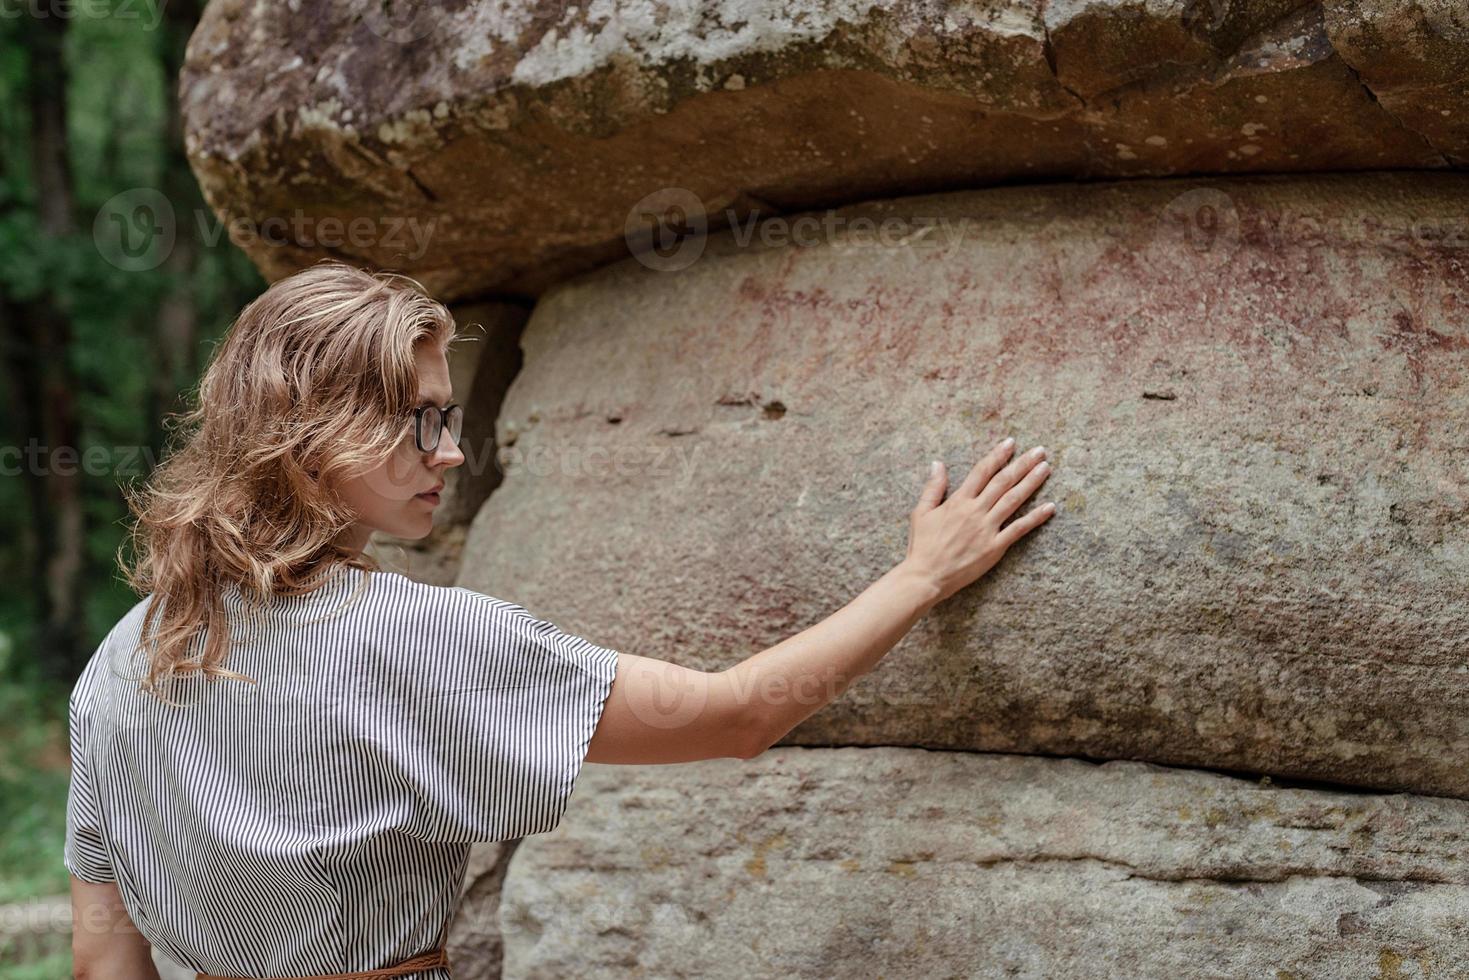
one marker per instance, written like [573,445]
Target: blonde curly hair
[312,385]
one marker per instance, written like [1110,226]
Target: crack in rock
[1443,158]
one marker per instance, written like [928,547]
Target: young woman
[282,754]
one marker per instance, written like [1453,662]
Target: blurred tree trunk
[39,364]
[22,422]
[177,323]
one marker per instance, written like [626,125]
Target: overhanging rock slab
[499,147]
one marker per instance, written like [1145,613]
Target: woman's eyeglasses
[430,420]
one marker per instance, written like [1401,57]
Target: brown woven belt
[417,964]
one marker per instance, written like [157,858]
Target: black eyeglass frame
[418,416]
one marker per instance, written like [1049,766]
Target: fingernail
[1009,441]
[933,468]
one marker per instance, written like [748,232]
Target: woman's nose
[447,452]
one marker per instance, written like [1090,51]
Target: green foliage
[53,966]
[117,112]
[33,782]
[119,88]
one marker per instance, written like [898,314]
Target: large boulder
[1254,393]
[904,863]
[474,945]
[488,147]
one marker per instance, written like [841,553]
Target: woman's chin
[420,525]
[413,530]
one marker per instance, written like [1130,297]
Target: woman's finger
[988,465]
[1024,524]
[1008,477]
[1008,504]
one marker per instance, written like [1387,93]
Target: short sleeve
[486,741]
[84,853]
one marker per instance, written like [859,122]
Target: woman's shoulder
[472,617]
[397,586]
[435,610]
[348,583]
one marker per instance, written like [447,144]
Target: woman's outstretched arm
[659,712]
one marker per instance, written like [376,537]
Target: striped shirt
[321,821]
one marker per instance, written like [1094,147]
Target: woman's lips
[432,498]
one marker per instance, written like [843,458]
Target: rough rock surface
[1255,396]
[474,946]
[906,863]
[502,146]
[1414,57]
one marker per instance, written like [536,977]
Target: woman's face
[388,499]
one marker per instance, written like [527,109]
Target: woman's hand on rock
[954,541]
